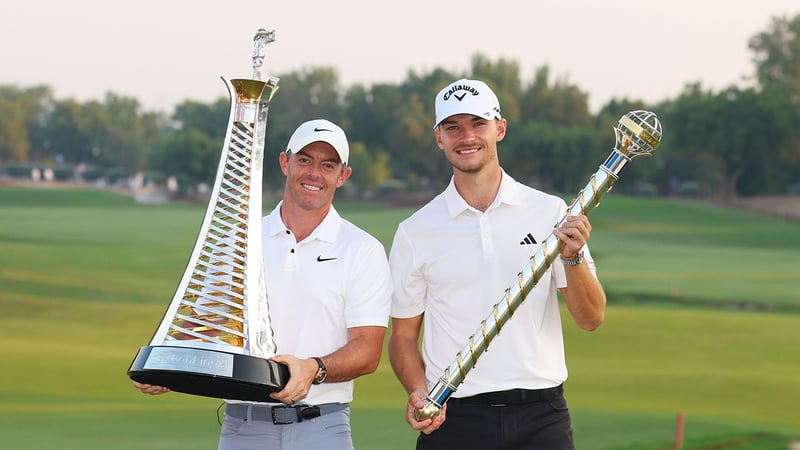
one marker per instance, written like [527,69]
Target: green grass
[658,249]
[85,277]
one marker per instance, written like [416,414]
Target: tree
[777,53]
[14,142]
[22,112]
[559,103]
[123,133]
[408,116]
[370,167]
[399,120]
[739,132]
[68,131]
[187,154]
[211,119]
[777,58]
[774,118]
[550,157]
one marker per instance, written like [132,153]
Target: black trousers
[508,420]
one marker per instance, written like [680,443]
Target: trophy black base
[209,373]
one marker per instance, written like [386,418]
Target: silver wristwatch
[573,262]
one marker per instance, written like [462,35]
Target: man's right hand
[427,426]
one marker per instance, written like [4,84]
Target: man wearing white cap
[453,259]
[329,292]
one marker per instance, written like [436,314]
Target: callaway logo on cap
[466,97]
[320,130]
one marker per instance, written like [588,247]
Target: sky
[168,51]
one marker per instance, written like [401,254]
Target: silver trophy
[215,338]
[637,133]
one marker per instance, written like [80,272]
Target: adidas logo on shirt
[528,240]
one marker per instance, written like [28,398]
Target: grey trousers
[328,432]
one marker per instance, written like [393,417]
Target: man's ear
[502,126]
[438,134]
[344,176]
[283,160]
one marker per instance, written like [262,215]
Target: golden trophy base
[209,373]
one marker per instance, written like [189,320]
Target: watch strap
[322,372]
[574,262]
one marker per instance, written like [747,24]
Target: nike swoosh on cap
[322,129]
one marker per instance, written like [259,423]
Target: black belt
[511,397]
[281,414]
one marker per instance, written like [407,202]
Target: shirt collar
[327,230]
[509,193]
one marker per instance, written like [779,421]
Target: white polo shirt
[453,263]
[335,279]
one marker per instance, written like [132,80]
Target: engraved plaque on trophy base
[209,373]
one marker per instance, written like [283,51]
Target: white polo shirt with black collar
[453,263]
[335,279]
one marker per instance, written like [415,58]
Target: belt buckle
[284,415]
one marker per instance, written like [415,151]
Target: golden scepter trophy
[637,133]
[215,338]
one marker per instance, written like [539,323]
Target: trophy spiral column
[215,337]
[637,133]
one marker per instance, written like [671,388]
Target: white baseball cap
[466,97]
[320,130]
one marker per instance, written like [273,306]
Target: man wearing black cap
[451,262]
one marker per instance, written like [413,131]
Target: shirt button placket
[486,236]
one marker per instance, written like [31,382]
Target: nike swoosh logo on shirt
[321,259]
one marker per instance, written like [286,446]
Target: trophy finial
[261,39]
[638,133]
